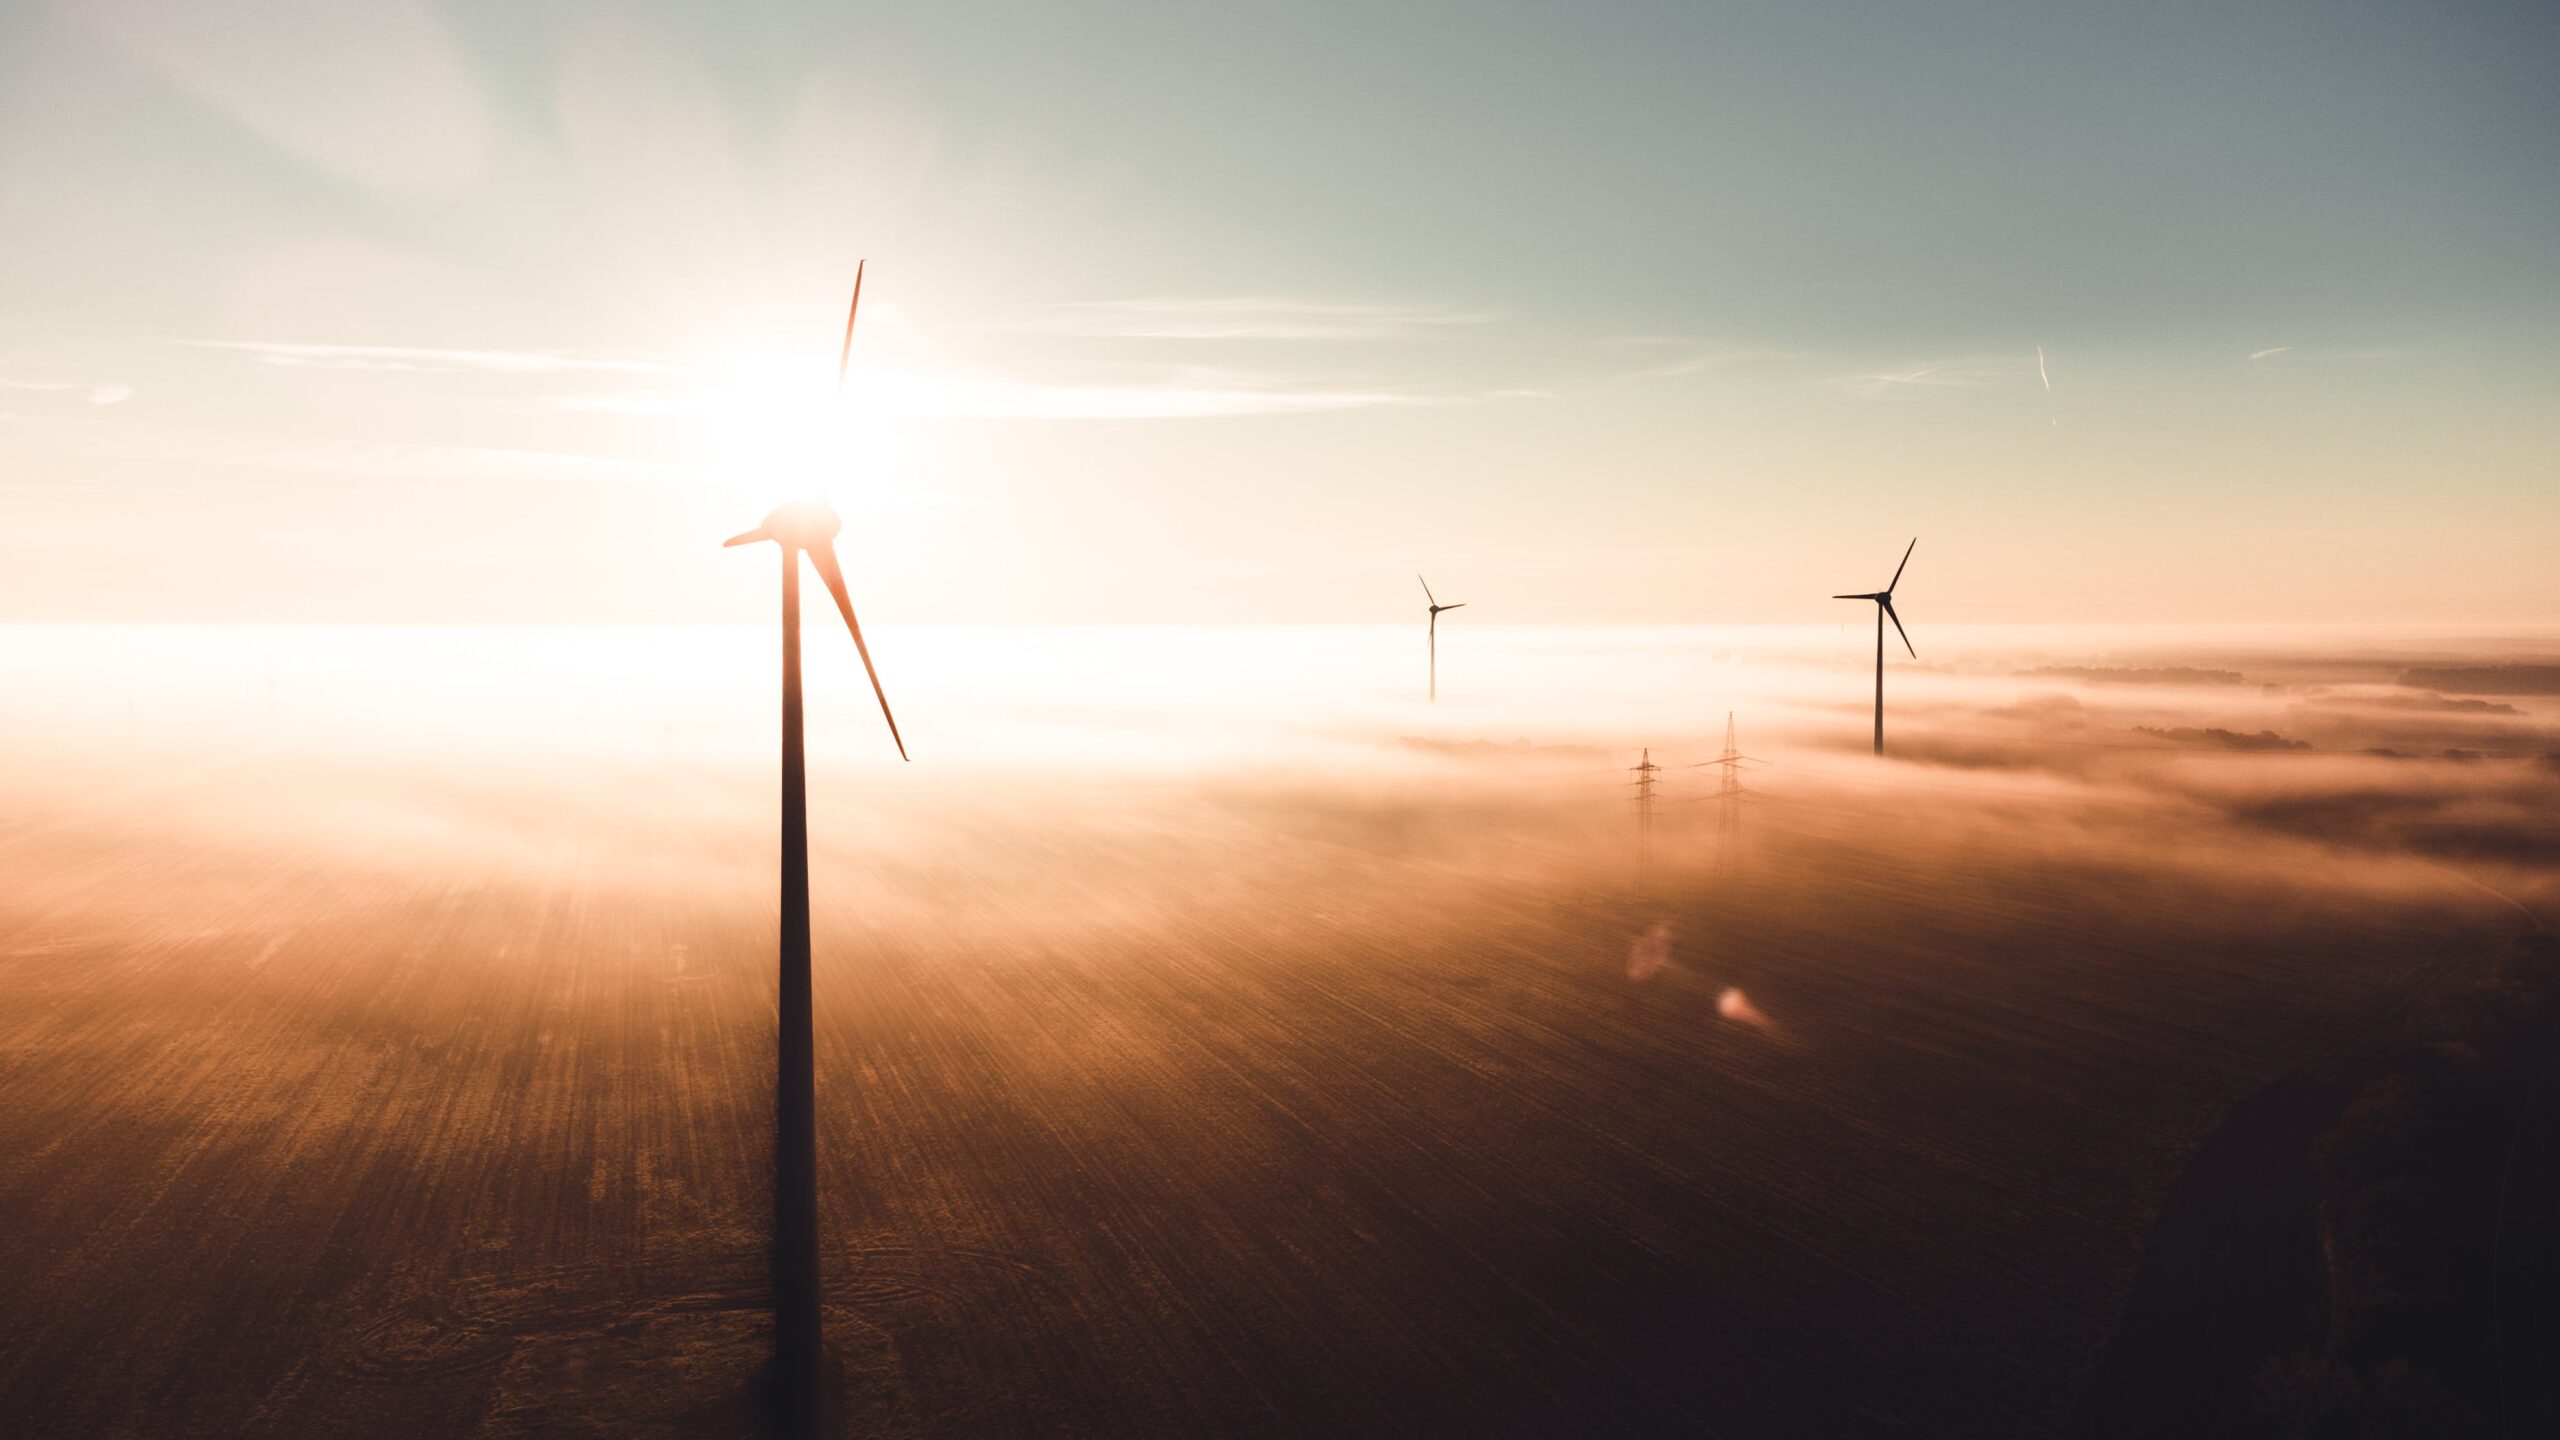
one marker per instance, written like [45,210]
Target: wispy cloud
[431,360]
[1690,355]
[2297,353]
[1191,397]
[96,394]
[1935,377]
[2041,373]
[1243,318]
[941,390]
[174,446]
[954,396]
[451,462]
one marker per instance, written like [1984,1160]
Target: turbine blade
[823,555]
[1461,605]
[1906,559]
[1897,627]
[1426,592]
[1870,596]
[845,357]
[749,538]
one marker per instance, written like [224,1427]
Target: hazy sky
[312,309]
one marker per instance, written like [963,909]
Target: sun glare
[770,430]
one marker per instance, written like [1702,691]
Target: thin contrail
[2040,371]
[2274,350]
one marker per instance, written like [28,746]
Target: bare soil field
[1218,1104]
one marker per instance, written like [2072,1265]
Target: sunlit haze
[397,311]
[1617,719]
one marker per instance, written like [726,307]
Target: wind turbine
[1436,608]
[805,527]
[1884,609]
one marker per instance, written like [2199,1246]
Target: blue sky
[1613,312]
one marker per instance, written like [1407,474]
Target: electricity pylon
[1729,796]
[1645,771]
[1728,803]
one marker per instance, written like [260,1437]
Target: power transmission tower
[1645,771]
[1728,803]
[1729,796]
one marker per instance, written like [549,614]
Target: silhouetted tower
[1729,798]
[1434,633]
[1645,771]
[1728,803]
[1884,611]
[801,1376]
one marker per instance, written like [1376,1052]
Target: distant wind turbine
[1436,608]
[799,1350]
[1884,609]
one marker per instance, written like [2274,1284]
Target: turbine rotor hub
[804,523]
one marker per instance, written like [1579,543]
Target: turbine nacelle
[1434,601]
[1884,601]
[800,525]
[808,527]
[1436,607]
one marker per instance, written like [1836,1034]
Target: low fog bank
[1183,754]
[1193,993]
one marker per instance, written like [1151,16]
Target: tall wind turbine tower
[1436,608]
[1884,610]
[807,528]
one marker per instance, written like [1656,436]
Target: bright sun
[770,430]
